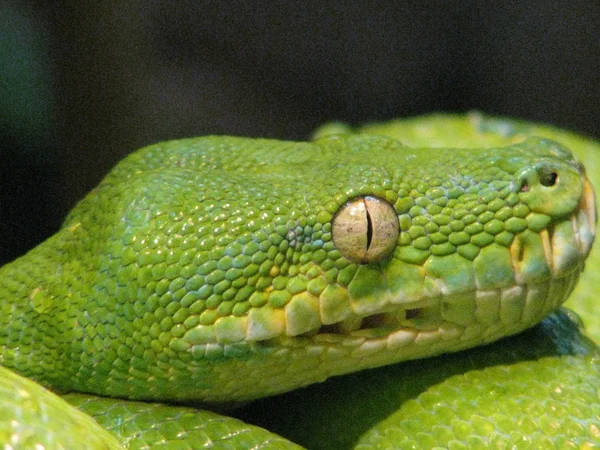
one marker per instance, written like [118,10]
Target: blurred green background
[83,83]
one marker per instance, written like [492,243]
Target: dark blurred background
[83,83]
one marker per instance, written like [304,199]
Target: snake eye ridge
[365,229]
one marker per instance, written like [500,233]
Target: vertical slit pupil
[369,229]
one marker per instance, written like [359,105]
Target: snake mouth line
[483,312]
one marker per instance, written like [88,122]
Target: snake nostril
[545,177]
[548,178]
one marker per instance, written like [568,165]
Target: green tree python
[237,275]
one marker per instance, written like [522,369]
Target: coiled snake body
[222,270]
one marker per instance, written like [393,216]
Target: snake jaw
[443,324]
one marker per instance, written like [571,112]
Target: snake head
[225,256]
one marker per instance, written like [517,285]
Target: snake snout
[586,217]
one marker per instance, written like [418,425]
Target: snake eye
[365,229]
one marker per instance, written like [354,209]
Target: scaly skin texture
[31,415]
[206,269]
